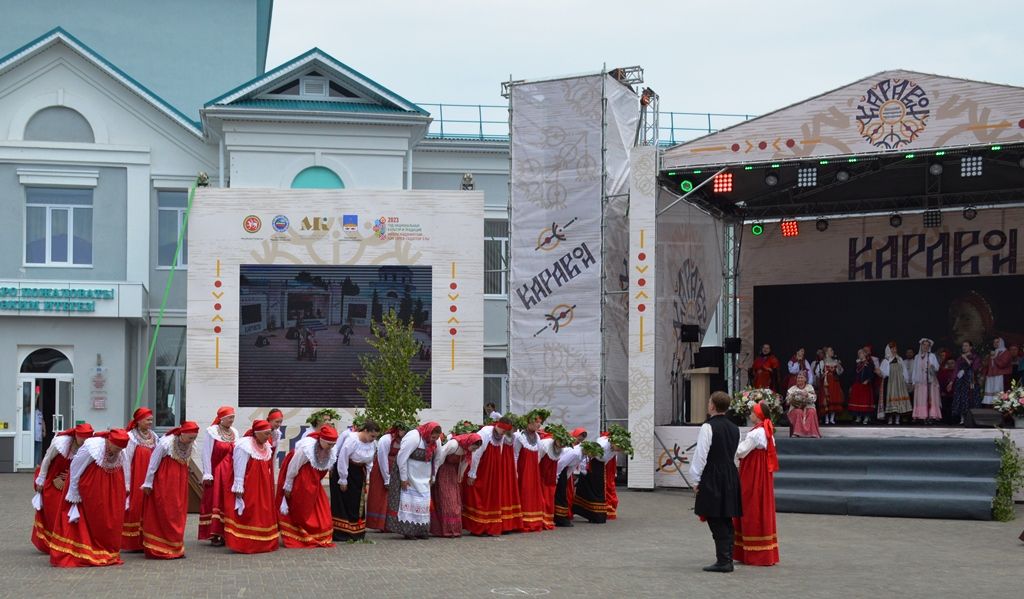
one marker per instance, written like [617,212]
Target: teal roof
[58,33]
[317,106]
[339,69]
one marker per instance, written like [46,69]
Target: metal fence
[489,122]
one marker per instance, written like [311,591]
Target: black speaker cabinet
[983,418]
[733,345]
[689,333]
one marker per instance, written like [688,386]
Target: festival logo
[550,237]
[316,223]
[280,223]
[559,318]
[380,227]
[350,223]
[252,223]
[893,113]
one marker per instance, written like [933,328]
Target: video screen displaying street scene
[303,328]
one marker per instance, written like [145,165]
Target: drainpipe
[408,169]
[220,161]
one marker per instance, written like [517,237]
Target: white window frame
[176,372]
[182,260]
[503,405]
[504,262]
[48,263]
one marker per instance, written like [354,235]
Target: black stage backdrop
[848,316]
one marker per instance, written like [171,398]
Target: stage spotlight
[771,179]
[843,176]
[970,213]
[970,166]
[807,176]
[935,168]
[757,229]
[895,220]
[790,228]
[821,225]
[686,186]
[932,219]
[722,183]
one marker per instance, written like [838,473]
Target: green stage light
[748,168]
[823,162]
[756,229]
[909,156]
[697,172]
[941,153]
[852,160]
[672,174]
[686,186]
[997,147]
[776,165]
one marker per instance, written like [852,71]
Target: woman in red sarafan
[52,480]
[527,457]
[756,542]
[141,441]
[491,495]
[611,494]
[89,532]
[450,464]
[549,451]
[380,478]
[218,445]
[249,513]
[165,506]
[305,510]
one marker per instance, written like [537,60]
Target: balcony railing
[489,122]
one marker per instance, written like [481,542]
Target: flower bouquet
[1011,403]
[799,399]
[743,402]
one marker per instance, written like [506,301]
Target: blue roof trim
[316,106]
[57,32]
[283,68]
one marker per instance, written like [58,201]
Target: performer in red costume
[247,496]
[765,370]
[305,510]
[165,487]
[218,444]
[141,441]
[756,542]
[52,480]
[491,497]
[526,444]
[89,532]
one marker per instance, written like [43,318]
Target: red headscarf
[769,433]
[186,427]
[466,441]
[275,413]
[576,432]
[504,426]
[327,433]
[116,436]
[425,431]
[257,426]
[140,414]
[80,430]
[222,412]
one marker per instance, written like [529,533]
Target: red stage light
[790,228]
[722,183]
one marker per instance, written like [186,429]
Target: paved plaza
[655,549]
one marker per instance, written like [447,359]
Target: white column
[642,311]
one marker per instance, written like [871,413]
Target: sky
[729,56]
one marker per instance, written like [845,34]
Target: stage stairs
[895,476]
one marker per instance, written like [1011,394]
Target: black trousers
[722,531]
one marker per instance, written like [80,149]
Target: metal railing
[489,122]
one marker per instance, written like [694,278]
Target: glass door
[63,416]
[24,447]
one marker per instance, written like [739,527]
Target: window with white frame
[496,383]
[495,257]
[169,404]
[170,219]
[58,226]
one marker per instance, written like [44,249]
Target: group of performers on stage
[915,386]
[738,504]
[100,493]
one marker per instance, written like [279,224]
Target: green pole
[167,293]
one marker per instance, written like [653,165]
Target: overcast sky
[714,56]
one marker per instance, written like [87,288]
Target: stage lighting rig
[970,166]
[843,176]
[757,229]
[821,224]
[970,213]
[722,183]
[790,228]
[895,220]
[935,168]
[771,179]
[806,176]
[932,219]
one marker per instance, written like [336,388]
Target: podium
[700,391]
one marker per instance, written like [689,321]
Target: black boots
[723,551]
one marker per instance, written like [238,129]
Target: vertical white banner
[555,271]
[642,313]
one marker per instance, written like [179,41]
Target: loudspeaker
[733,345]
[983,418]
[712,357]
[689,332]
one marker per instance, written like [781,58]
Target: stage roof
[897,140]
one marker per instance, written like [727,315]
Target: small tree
[390,387]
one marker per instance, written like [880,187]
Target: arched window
[317,177]
[46,361]
[58,123]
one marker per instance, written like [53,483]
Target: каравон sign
[49,299]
